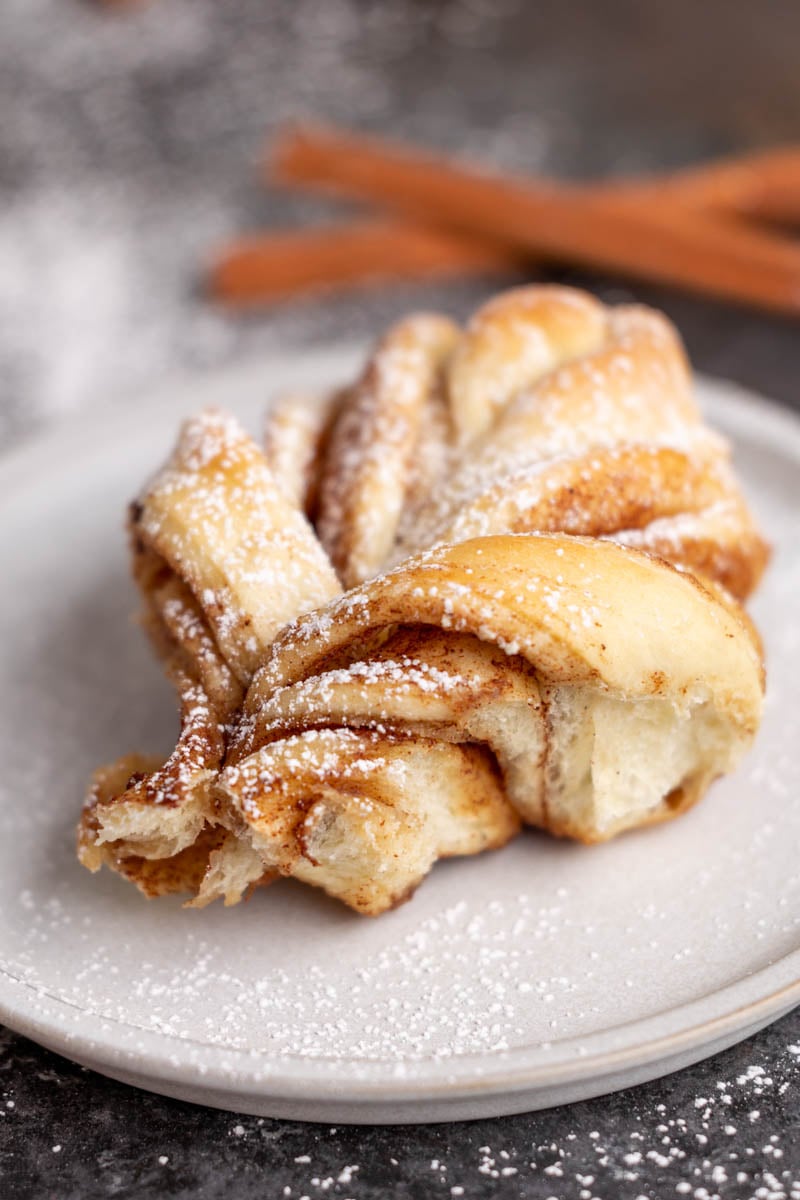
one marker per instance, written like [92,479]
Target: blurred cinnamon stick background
[132,138]
[690,230]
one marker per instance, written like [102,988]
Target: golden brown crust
[531,657]
[369,456]
[575,604]
[505,644]
[214,518]
[296,436]
[562,415]
[222,559]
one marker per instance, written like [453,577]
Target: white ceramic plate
[543,973]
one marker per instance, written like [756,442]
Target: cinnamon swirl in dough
[608,688]
[223,560]
[551,413]
[493,582]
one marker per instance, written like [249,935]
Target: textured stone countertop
[129,138]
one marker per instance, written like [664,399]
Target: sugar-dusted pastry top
[549,412]
[493,582]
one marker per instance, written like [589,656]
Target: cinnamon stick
[762,184]
[674,246]
[265,268]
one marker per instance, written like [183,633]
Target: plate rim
[741,1004]
[229,1069]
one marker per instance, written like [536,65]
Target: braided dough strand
[608,689]
[222,560]
[549,412]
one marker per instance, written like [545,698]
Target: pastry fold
[551,412]
[371,445]
[222,560]
[543,547]
[607,688]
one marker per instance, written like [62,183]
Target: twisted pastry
[375,431]
[505,653]
[222,561]
[608,688]
[296,434]
[549,413]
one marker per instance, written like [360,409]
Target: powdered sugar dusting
[635,913]
[215,514]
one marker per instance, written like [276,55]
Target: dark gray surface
[726,1128]
[128,145]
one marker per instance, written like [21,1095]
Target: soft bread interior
[365,816]
[234,867]
[612,763]
[375,853]
[151,830]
